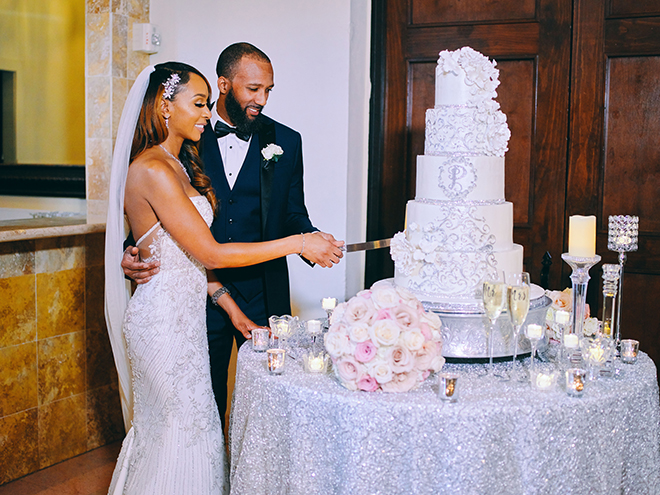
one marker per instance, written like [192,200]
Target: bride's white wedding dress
[175,445]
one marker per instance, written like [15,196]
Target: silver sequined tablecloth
[304,434]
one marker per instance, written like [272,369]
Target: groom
[259,199]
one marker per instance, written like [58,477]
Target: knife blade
[367,246]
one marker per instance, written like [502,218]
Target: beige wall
[43,43]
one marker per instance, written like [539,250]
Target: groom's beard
[239,116]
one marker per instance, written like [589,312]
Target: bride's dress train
[175,445]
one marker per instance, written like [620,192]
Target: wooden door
[581,91]
[614,150]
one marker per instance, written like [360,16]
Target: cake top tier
[465,77]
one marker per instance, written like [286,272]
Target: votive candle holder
[276,360]
[448,387]
[575,381]
[629,350]
[260,340]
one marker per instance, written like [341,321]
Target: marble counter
[41,228]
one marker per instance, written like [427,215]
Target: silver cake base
[465,336]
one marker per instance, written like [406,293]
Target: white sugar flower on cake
[382,339]
[480,73]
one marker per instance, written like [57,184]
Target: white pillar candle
[571,341]
[328,303]
[582,236]
[314,327]
[534,331]
[562,317]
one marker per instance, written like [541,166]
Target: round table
[300,433]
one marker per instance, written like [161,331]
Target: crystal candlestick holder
[622,238]
[610,288]
[329,304]
[580,279]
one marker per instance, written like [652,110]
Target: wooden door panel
[516,95]
[452,11]
[631,176]
[636,7]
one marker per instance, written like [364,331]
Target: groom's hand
[137,270]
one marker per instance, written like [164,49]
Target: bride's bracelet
[218,293]
[303,244]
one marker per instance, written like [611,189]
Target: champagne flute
[494,296]
[518,305]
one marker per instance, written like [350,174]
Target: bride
[175,442]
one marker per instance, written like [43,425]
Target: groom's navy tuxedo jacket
[266,203]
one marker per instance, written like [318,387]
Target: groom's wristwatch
[216,295]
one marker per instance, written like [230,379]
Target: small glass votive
[260,341]
[274,341]
[575,381]
[629,349]
[448,387]
[315,362]
[276,359]
[543,380]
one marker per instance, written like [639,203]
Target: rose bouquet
[563,301]
[382,339]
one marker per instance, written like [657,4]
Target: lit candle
[534,331]
[260,339]
[314,327]
[544,381]
[582,236]
[571,340]
[596,355]
[316,364]
[276,361]
[562,317]
[328,303]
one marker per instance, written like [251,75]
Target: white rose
[337,313]
[358,332]
[385,332]
[591,327]
[271,151]
[437,363]
[337,344]
[381,372]
[358,309]
[431,319]
[413,340]
[384,296]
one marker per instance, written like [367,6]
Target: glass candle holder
[575,381]
[315,362]
[282,327]
[543,380]
[328,304]
[580,280]
[448,387]
[260,340]
[610,288]
[596,353]
[276,360]
[629,350]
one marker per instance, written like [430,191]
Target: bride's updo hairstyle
[151,129]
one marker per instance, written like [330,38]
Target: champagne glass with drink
[518,305]
[494,296]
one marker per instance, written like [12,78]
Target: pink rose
[367,383]
[347,369]
[405,316]
[383,314]
[401,382]
[365,351]
[428,335]
[425,355]
[401,359]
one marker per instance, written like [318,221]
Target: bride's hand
[322,249]
[243,324]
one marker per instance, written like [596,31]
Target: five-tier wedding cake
[459,228]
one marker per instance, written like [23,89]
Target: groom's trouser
[221,334]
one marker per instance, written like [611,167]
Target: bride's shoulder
[149,168]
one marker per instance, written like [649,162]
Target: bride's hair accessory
[170,85]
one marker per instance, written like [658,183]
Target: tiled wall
[58,386]
[111,68]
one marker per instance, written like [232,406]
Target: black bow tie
[221,130]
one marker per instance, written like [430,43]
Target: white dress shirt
[232,150]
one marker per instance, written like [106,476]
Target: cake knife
[367,246]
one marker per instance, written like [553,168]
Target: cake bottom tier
[453,282]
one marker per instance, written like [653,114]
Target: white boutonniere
[272,152]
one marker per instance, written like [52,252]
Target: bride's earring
[167,122]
